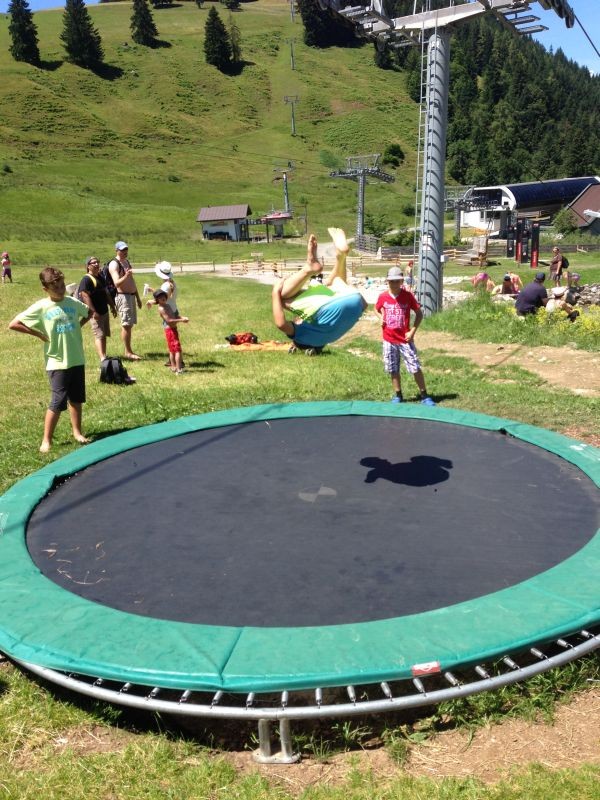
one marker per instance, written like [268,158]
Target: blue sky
[572,41]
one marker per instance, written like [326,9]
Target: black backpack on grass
[113,371]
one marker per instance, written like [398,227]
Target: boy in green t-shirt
[57,320]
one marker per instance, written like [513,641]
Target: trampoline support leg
[264,754]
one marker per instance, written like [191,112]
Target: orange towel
[261,346]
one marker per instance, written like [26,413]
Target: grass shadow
[206,366]
[108,72]
[50,66]
[238,68]
[159,44]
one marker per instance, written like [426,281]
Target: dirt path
[575,370]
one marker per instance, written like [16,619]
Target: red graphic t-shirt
[396,314]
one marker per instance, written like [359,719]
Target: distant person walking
[556,266]
[127,299]
[532,296]
[57,320]
[6,268]
[92,292]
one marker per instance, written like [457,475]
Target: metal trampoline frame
[268,701]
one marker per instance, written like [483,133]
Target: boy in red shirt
[393,308]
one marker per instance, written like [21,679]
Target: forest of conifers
[516,112]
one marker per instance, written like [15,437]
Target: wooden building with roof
[225,222]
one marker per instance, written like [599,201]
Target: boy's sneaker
[397,399]
[427,401]
[293,349]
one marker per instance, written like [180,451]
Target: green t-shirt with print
[60,322]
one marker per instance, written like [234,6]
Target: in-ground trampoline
[250,562]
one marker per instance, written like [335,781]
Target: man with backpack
[92,291]
[127,297]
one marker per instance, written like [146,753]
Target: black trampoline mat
[312,521]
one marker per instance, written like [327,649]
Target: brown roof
[217,213]
[589,198]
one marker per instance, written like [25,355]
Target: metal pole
[360,219]
[429,289]
[286,198]
[293,120]
[291,41]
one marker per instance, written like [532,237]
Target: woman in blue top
[323,313]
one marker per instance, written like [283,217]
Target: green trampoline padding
[46,625]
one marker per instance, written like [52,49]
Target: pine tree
[23,33]
[81,40]
[217,46]
[143,29]
[235,39]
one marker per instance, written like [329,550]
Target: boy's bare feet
[79,437]
[45,447]
[339,239]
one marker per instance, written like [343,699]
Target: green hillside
[134,152]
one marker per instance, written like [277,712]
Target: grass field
[135,152]
[150,758]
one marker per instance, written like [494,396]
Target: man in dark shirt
[92,292]
[532,296]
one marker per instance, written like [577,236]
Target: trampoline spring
[451,679]
[538,654]
[564,643]
[418,684]
[285,696]
[216,697]
[510,663]
[185,696]
[385,688]
[587,635]
[250,699]
[125,688]
[318,696]
[351,694]
[482,672]
[154,693]
[98,682]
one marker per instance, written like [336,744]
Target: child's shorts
[66,384]
[172,337]
[392,354]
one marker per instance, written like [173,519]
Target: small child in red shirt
[170,323]
[394,309]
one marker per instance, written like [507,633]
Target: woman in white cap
[164,271]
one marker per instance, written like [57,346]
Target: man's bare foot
[312,261]
[339,239]
[132,357]
[45,447]
[79,437]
